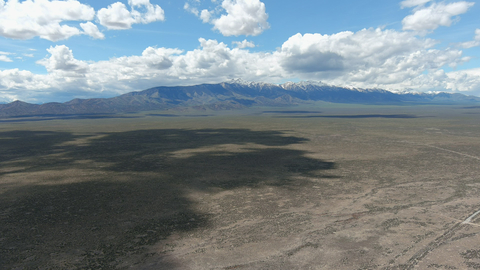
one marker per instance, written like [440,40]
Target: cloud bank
[368,58]
[48,19]
[42,18]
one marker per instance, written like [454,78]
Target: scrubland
[312,187]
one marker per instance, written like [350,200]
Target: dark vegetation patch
[472,258]
[20,145]
[353,116]
[176,115]
[294,112]
[47,117]
[163,115]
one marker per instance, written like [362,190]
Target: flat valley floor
[324,187]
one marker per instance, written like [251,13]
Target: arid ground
[325,187]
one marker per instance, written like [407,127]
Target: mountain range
[234,94]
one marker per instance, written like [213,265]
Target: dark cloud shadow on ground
[134,193]
[291,112]
[21,145]
[50,117]
[352,116]
[177,115]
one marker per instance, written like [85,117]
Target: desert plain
[311,187]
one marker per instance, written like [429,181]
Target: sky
[55,51]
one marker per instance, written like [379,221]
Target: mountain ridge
[234,94]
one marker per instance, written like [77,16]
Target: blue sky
[60,50]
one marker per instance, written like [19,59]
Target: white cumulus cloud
[205,15]
[429,18]
[4,58]
[464,80]
[42,18]
[368,58]
[117,16]
[244,17]
[92,30]
[62,60]
[244,44]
